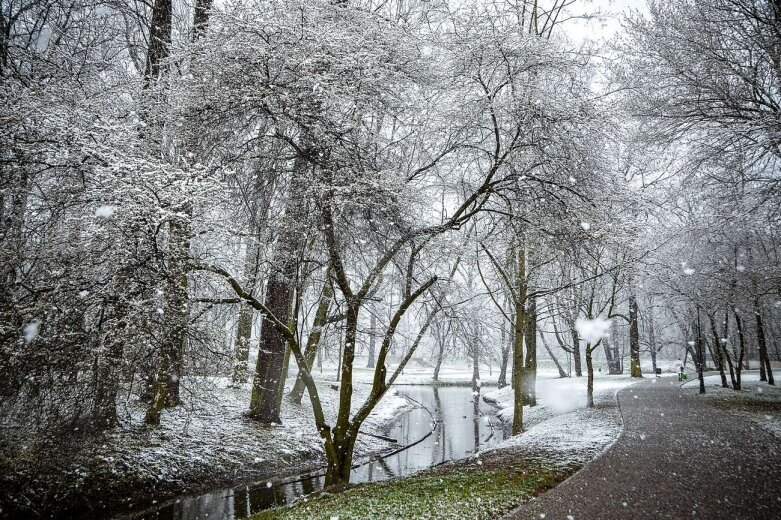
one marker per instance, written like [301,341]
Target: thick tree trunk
[338,470]
[271,354]
[634,338]
[268,380]
[175,317]
[170,364]
[530,338]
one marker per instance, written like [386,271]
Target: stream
[447,423]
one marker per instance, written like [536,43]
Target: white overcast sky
[604,27]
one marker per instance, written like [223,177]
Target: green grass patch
[455,492]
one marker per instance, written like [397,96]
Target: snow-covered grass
[757,401]
[561,424]
[210,432]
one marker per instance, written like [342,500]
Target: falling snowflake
[30,331]
[592,331]
[104,211]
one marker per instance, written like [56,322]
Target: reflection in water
[447,410]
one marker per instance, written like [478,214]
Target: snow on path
[561,423]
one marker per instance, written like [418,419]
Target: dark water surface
[447,423]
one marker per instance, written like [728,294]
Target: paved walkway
[678,457]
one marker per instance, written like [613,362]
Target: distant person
[681,373]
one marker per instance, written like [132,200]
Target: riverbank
[562,436]
[203,444]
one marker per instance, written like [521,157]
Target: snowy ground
[561,424]
[211,433]
[756,401]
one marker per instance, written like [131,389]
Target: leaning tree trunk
[562,372]
[440,356]
[530,337]
[634,338]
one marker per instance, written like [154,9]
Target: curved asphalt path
[678,457]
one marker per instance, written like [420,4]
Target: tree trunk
[440,355]
[175,315]
[518,380]
[576,352]
[372,342]
[700,355]
[613,357]
[634,338]
[104,411]
[652,338]
[765,371]
[742,352]
[337,473]
[531,353]
[719,353]
[268,381]
[475,366]
[590,382]
[559,367]
[170,367]
[505,347]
